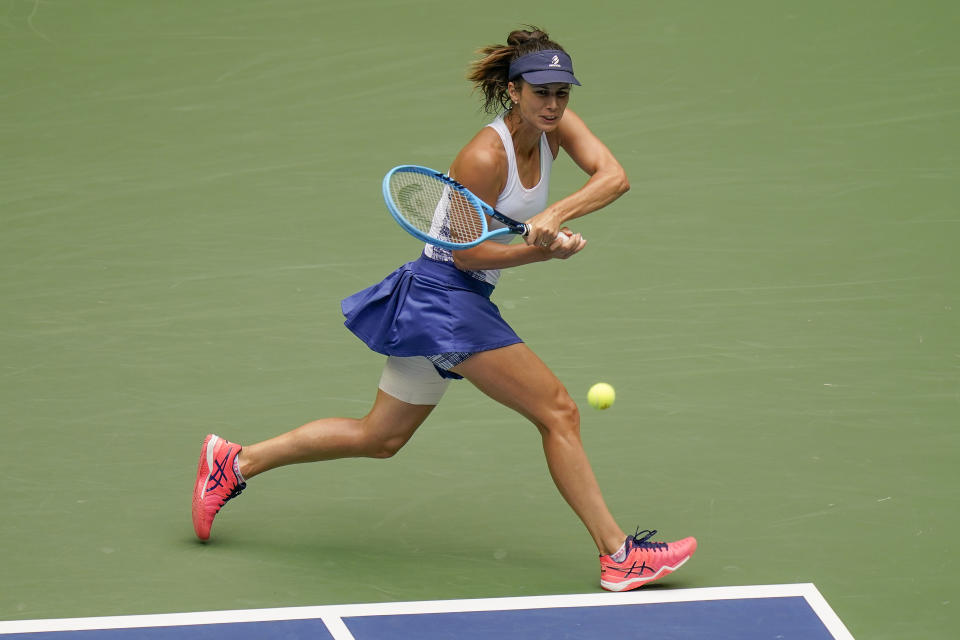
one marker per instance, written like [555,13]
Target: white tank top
[515,201]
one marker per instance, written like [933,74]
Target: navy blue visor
[544,67]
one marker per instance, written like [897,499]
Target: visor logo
[555,62]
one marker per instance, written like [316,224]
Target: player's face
[542,105]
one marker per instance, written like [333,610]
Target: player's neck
[526,137]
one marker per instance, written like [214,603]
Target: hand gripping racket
[437,209]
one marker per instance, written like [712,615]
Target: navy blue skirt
[425,308]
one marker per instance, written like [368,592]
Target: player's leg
[409,390]
[517,378]
[379,434]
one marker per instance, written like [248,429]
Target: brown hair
[490,73]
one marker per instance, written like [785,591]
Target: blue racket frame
[481,207]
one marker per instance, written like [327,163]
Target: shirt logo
[555,62]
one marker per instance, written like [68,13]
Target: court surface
[731,613]
[188,189]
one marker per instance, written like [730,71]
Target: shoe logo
[218,477]
[635,569]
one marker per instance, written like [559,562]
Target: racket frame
[481,207]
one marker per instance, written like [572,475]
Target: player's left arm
[608,180]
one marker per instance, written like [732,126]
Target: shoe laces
[237,490]
[642,539]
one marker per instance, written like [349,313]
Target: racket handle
[515,227]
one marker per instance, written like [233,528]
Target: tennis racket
[437,209]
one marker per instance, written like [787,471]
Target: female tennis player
[434,320]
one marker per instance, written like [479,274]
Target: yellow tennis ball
[601,396]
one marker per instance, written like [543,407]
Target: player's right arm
[481,166]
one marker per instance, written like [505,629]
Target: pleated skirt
[427,307]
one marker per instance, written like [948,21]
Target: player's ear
[513,90]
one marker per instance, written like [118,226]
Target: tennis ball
[601,396]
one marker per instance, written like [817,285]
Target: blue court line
[721,613]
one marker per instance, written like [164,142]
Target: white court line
[332,615]
[827,615]
[337,628]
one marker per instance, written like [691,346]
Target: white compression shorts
[413,380]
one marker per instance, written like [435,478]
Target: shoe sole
[626,585]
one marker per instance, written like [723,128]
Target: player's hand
[542,230]
[566,244]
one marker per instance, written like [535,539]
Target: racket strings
[435,208]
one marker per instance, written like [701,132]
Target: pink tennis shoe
[645,562]
[217,482]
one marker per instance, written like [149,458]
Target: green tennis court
[188,189]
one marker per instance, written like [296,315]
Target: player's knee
[378,444]
[570,415]
[563,417]
[387,447]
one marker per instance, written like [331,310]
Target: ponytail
[490,73]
